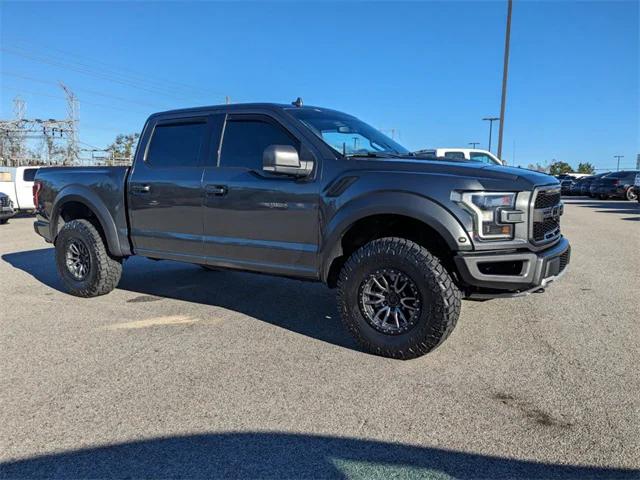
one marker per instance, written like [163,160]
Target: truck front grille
[548,228]
[4,201]
[546,212]
[547,198]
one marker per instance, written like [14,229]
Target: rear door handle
[137,188]
[216,190]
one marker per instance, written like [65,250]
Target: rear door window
[177,144]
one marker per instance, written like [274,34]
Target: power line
[115,77]
[132,74]
[102,105]
[91,92]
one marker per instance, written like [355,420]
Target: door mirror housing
[284,159]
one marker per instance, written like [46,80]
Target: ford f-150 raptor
[315,194]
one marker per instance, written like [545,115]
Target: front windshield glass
[347,134]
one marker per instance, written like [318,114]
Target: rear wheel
[397,299]
[83,261]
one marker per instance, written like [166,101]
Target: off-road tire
[441,299]
[104,270]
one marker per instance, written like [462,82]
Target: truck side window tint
[29,174]
[244,141]
[176,144]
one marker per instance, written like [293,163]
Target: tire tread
[447,295]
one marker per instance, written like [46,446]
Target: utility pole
[18,144]
[473,144]
[505,72]
[618,157]
[72,119]
[15,133]
[490,120]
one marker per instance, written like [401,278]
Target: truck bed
[103,188]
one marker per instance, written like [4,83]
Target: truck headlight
[493,213]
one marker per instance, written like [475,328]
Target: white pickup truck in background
[17,182]
[471,154]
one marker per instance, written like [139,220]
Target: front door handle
[216,190]
[140,188]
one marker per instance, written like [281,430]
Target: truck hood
[483,173]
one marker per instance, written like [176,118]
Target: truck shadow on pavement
[282,455]
[303,307]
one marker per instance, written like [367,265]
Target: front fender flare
[410,205]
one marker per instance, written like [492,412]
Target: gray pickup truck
[314,194]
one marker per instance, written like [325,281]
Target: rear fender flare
[85,196]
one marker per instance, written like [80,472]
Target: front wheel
[83,262]
[4,221]
[397,299]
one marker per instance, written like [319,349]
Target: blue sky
[429,70]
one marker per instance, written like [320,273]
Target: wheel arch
[430,219]
[78,195]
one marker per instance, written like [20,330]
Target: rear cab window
[29,174]
[454,155]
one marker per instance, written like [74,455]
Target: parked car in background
[6,208]
[618,185]
[470,154]
[565,186]
[576,188]
[17,182]
[636,187]
[593,186]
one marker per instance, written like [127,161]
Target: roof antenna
[297,103]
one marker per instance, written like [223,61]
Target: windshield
[347,134]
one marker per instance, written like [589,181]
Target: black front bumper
[527,271]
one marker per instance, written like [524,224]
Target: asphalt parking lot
[182,372]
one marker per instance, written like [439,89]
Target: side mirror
[284,159]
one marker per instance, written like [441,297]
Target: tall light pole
[490,120]
[505,72]
[473,144]
[618,157]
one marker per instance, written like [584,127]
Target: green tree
[558,168]
[123,147]
[586,167]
